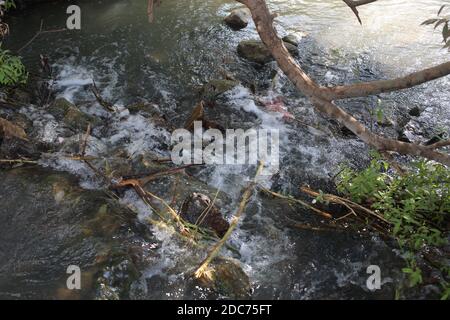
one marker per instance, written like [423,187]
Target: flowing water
[186,46]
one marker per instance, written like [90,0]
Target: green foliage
[441,21]
[12,70]
[364,185]
[9,4]
[417,203]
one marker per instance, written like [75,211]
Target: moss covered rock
[256,51]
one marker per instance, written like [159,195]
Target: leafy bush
[12,70]
[417,205]
[441,21]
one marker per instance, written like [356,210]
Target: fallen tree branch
[21,161]
[302,203]
[203,270]
[40,32]
[150,9]
[440,144]
[305,226]
[378,142]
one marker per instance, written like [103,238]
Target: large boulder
[238,18]
[256,51]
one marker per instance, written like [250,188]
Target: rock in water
[227,279]
[292,39]
[256,51]
[198,209]
[238,18]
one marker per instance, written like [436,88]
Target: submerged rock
[256,51]
[292,39]
[214,88]
[150,111]
[144,107]
[238,18]
[74,118]
[198,209]
[415,112]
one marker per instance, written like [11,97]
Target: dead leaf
[11,130]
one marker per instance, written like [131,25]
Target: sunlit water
[188,45]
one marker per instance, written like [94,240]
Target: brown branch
[357,3]
[40,32]
[375,87]
[263,21]
[105,104]
[323,102]
[21,161]
[150,9]
[302,203]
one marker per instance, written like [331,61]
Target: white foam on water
[139,134]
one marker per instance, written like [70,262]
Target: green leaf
[407,270]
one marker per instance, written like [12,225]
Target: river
[188,45]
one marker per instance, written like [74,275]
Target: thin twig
[105,104]
[40,32]
[290,199]
[203,270]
